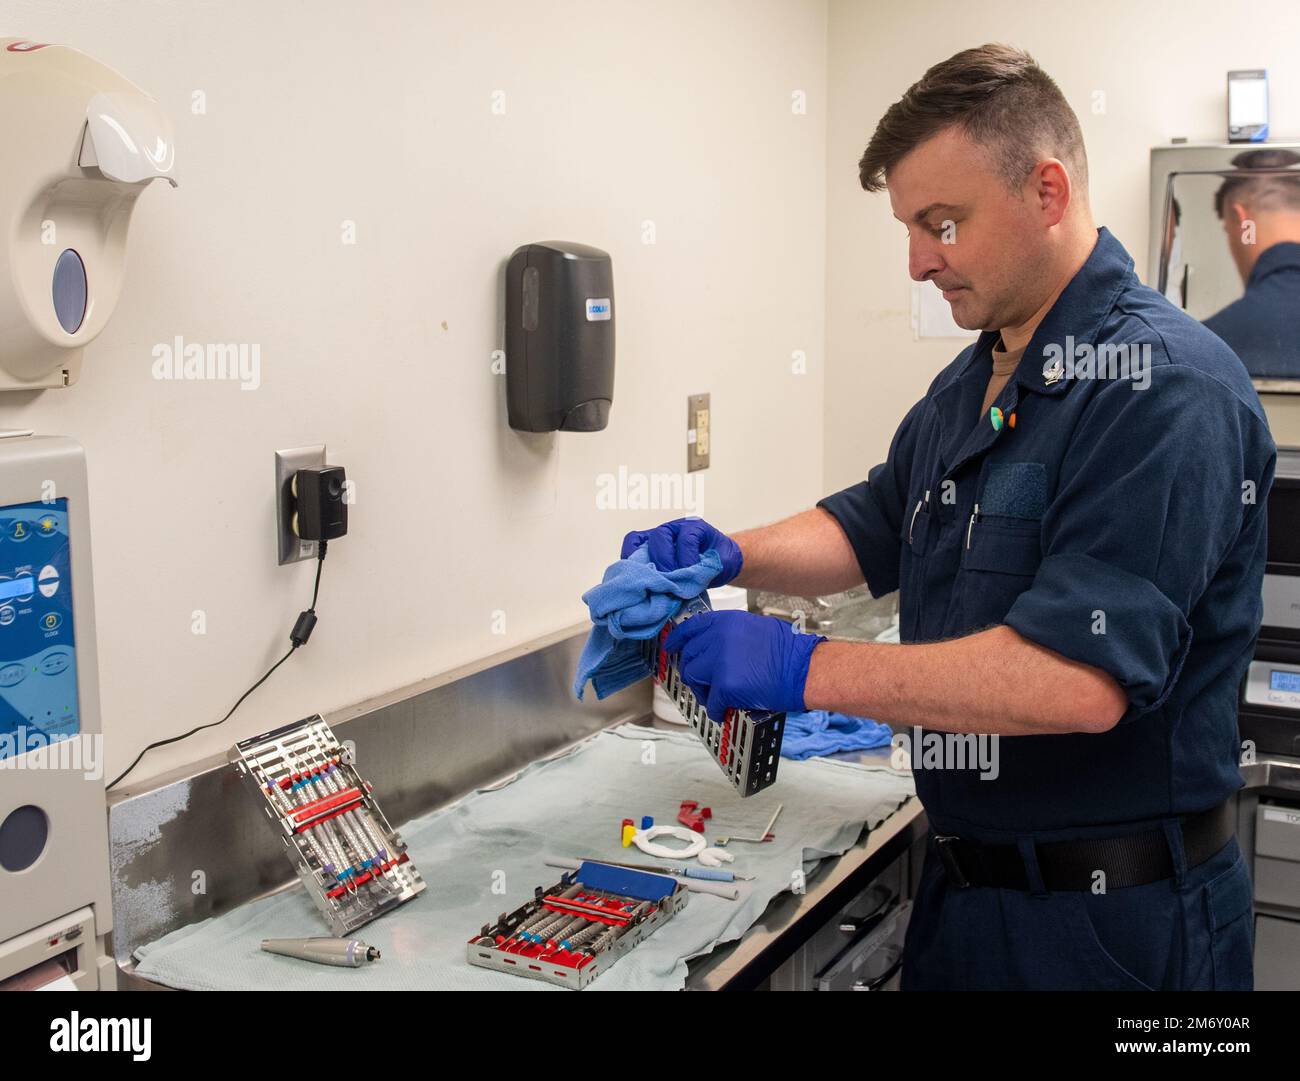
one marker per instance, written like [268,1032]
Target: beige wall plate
[699,432]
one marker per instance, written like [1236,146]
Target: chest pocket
[1001,545]
[1002,548]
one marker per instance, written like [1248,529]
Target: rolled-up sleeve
[871,512]
[1151,498]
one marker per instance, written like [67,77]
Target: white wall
[674,112]
[1161,69]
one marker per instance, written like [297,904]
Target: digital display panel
[1283,681]
[38,660]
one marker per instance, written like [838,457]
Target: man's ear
[1051,189]
[1240,214]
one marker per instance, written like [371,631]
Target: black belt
[1133,860]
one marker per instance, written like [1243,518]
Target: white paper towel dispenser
[78,144]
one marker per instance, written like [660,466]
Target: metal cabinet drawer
[1277,882]
[1277,856]
[871,962]
[1277,954]
[850,925]
[1277,831]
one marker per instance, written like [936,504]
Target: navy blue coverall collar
[1281,256]
[1078,313]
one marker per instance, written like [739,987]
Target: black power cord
[302,629]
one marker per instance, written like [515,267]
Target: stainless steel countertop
[789,920]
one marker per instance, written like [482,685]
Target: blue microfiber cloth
[821,732]
[630,605]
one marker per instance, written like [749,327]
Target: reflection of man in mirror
[1176,275]
[1261,218]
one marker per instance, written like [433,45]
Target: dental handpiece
[341,952]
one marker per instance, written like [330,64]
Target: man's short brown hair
[1270,188]
[1000,98]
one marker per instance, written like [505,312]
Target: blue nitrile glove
[681,542]
[742,660]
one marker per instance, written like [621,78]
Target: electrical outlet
[290,547]
[698,432]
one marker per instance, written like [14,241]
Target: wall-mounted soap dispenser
[559,338]
[78,144]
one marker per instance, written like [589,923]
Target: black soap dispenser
[559,338]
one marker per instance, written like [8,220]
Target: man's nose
[923,259]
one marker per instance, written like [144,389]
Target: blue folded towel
[630,605]
[821,732]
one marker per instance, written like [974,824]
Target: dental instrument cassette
[746,745]
[570,934]
[352,862]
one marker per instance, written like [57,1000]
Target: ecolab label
[598,309]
